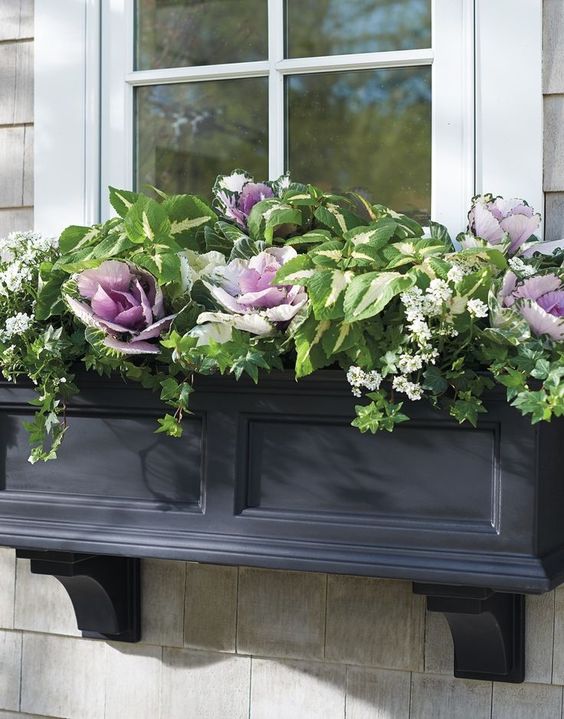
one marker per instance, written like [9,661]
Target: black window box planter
[274,476]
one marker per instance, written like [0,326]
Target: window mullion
[198,73]
[356,61]
[276,129]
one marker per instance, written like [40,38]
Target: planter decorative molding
[273,476]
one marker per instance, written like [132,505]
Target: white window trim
[487,116]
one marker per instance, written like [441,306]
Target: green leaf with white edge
[164,266]
[147,222]
[439,232]
[245,248]
[340,337]
[366,255]
[328,254]
[122,200]
[114,245]
[333,219]
[296,271]
[287,218]
[310,355]
[368,294]
[256,220]
[187,215]
[314,237]
[375,235]
[76,237]
[215,241]
[436,267]
[326,290]
[230,232]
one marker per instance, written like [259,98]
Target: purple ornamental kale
[125,302]
[496,220]
[539,299]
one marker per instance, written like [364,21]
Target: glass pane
[179,33]
[189,133]
[334,27]
[364,130]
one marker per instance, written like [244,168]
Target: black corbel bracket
[105,591]
[487,627]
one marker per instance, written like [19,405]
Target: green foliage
[363,288]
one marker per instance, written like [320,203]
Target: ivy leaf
[368,294]
[249,363]
[434,380]
[467,408]
[169,425]
[49,298]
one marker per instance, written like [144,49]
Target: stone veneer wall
[233,643]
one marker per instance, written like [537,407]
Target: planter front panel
[273,475]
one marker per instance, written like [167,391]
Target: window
[409,101]
[346,95]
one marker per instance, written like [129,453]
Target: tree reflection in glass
[187,134]
[367,130]
[334,27]
[180,33]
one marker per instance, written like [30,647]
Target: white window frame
[486,61]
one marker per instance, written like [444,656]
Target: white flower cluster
[16,325]
[410,363]
[520,268]
[359,379]
[413,390]
[21,253]
[456,273]
[477,308]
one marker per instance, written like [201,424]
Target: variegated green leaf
[328,254]
[368,294]
[310,238]
[309,349]
[376,236]
[340,337]
[296,271]
[326,289]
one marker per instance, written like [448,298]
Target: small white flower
[16,325]
[477,308]
[413,390]
[455,274]
[439,291]
[520,268]
[358,379]
[410,363]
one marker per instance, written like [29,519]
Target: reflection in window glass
[187,134]
[364,130]
[180,33]
[336,27]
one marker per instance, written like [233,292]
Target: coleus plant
[278,275]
